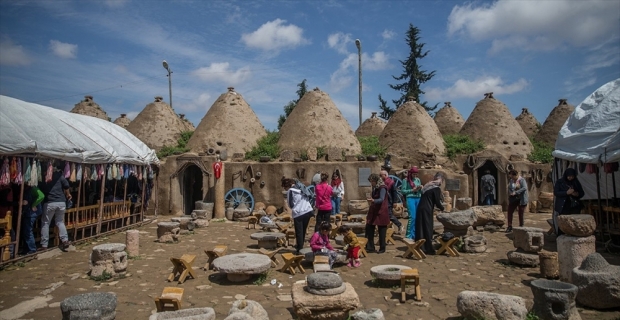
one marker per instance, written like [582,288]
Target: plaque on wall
[363,175]
[453,184]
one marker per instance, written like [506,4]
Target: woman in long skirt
[431,198]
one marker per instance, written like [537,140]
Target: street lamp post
[167,67]
[358,44]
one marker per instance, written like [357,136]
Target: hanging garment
[109,172]
[118,175]
[13,169]
[72,175]
[67,171]
[101,172]
[79,172]
[591,168]
[94,172]
[139,174]
[151,172]
[114,171]
[19,179]
[121,170]
[35,175]
[27,173]
[49,172]
[5,175]
[611,167]
[86,173]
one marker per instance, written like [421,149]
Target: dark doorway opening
[192,188]
[490,166]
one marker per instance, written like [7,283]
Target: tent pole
[156,195]
[125,203]
[77,211]
[101,194]
[143,207]
[20,210]
[598,196]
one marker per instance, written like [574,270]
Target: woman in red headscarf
[410,188]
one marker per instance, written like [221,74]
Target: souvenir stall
[589,142]
[109,170]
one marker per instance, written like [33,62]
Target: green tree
[302,88]
[412,76]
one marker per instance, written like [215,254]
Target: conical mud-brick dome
[187,125]
[411,133]
[528,122]
[122,121]
[372,126]
[88,107]
[550,129]
[157,125]
[449,120]
[230,124]
[491,122]
[317,122]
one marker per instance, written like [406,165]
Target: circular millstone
[388,271]
[326,292]
[324,280]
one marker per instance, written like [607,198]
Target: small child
[320,243]
[352,246]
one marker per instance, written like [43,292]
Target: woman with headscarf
[378,214]
[431,198]
[338,192]
[411,187]
[517,197]
[567,192]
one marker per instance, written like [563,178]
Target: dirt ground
[442,278]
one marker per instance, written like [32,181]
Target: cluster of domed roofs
[231,124]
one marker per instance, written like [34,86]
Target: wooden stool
[291,262]
[321,263]
[252,221]
[283,228]
[334,232]
[405,277]
[6,224]
[182,267]
[388,236]
[363,242]
[413,248]
[218,251]
[339,219]
[551,229]
[170,299]
[271,255]
[290,235]
[448,247]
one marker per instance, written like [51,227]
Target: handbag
[513,199]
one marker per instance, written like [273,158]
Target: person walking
[431,198]
[32,209]
[338,192]
[487,182]
[517,197]
[56,196]
[567,192]
[301,210]
[411,188]
[323,192]
[378,214]
[392,198]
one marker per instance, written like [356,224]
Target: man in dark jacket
[392,197]
[56,195]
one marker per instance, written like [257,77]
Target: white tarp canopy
[32,129]
[592,132]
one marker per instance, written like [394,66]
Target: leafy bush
[181,146]
[265,146]
[541,152]
[461,144]
[371,146]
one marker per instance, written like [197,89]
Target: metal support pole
[358,43]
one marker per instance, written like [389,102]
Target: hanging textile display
[139,174]
[79,172]
[118,175]
[19,178]
[126,171]
[27,173]
[35,173]
[86,172]
[109,172]
[114,171]
[121,171]
[72,175]
[67,171]
[39,172]
[5,176]
[13,169]
[50,170]
[94,172]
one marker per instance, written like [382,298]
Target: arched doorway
[192,188]
[490,166]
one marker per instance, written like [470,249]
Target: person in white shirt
[301,209]
[338,192]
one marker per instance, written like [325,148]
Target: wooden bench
[218,251]
[413,249]
[182,268]
[321,263]
[363,242]
[409,276]
[291,262]
[252,221]
[388,236]
[448,246]
[271,255]
[170,299]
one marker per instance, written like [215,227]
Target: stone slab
[309,306]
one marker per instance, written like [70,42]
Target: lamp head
[165,65]
[358,43]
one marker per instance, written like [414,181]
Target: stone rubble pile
[528,241]
[109,258]
[576,244]
[598,283]
[491,306]
[324,296]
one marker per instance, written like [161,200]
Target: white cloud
[201,103]
[388,34]
[63,50]
[603,56]
[537,25]
[221,72]
[12,54]
[339,42]
[274,36]
[463,88]
[343,77]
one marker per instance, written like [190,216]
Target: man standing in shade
[392,197]
[487,183]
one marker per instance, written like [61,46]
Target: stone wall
[170,196]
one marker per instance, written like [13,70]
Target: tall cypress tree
[302,88]
[412,76]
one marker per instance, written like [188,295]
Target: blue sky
[529,53]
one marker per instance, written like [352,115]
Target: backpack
[304,190]
[488,185]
